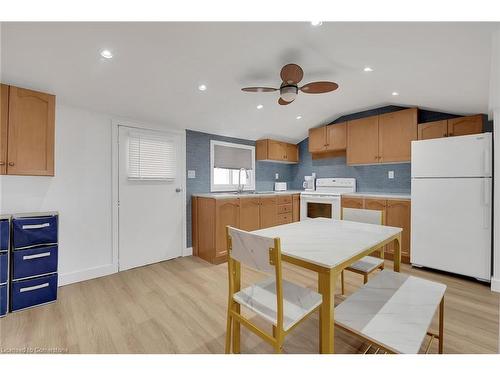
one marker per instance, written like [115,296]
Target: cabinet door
[376,204]
[31,133]
[348,202]
[276,150]
[4,112]
[249,214]
[296,207]
[362,141]
[268,212]
[434,129]
[226,213]
[336,137]
[396,131]
[292,153]
[398,215]
[465,125]
[317,139]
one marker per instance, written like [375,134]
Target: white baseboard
[188,251]
[495,284]
[87,274]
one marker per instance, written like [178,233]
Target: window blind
[151,157]
[232,157]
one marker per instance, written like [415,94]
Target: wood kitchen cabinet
[396,130]
[396,213]
[249,214]
[332,137]
[452,127]
[268,212]
[27,132]
[362,141]
[276,151]
[226,213]
[295,207]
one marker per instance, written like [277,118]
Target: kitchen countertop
[229,195]
[360,194]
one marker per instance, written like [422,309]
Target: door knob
[178,190]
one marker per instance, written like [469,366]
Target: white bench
[394,312]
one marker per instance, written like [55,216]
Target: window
[151,157]
[226,163]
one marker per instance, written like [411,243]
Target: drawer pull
[36,256]
[36,226]
[30,288]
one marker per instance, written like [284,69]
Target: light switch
[276,176]
[390,175]
[191,174]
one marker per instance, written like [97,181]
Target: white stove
[325,200]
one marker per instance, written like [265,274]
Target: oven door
[312,206]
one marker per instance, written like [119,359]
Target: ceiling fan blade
[283,102]
[319,87]
[258,89]
[291,74]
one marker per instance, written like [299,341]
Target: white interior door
[150,208]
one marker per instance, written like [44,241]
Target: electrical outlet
[277,176]
[191,174]
[313,174]
[390,175]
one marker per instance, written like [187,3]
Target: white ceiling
[157,68]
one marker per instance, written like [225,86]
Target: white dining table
[327,246]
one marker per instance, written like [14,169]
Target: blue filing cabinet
[4,263]
[34,259]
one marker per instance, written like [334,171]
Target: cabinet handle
[450,135]
[2,163]
[11,163]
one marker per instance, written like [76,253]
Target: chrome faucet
[240,186]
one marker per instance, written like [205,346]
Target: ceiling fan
[291,75]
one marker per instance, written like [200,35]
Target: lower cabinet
[396,213]
[210,217]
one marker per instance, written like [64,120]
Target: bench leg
[342,282]
[441,325]
[365,278]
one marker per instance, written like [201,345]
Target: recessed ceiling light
[298,117]
[202,87]
[316,23]
[260,106]
[367,69]
[107,54]
[394,93]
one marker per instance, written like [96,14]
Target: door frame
[115,124]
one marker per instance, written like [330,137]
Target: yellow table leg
[441,326]
[326,287]
[237,308]
[397,253]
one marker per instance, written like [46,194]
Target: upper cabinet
[396,130]
[27,132]
[382,139]
[452,127]
[276,151]
[362,141]
[332,137]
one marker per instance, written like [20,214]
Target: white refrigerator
[451,191]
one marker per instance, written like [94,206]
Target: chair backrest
[251,250]
[363,216]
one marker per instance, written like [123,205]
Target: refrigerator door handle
[486,203]
[486,162]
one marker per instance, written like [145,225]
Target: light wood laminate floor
[179,306]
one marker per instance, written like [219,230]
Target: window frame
[230,187]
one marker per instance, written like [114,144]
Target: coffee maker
[309,183]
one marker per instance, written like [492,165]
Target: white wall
[80,191]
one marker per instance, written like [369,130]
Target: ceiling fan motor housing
[288,92]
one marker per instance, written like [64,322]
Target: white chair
[280,302]
[368,264]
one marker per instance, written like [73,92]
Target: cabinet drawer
[33,292]
[34,262]
[284,208]
[34,231]
[285,218]
[3,300]
[4,264]
[4,235]
[284,199]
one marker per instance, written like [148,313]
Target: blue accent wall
[369,178]
[198,159]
